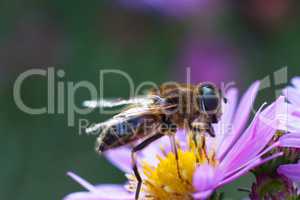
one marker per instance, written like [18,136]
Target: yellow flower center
[169,180]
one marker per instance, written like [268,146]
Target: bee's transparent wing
[127,114]
[103,125]
[121,117]
[145,100]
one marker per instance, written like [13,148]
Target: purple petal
[120,157]
[292,171]
[181,136]
[202,195]
[230,107]
[296,113]
[103,192]
[245,107]
[114,191]
[81,181]
[292,94]
[250,161]
[150,153]
[296,82]
[284,114]
[249,167]
[222,128]
[290,140]
[206,178]
[289,120]
[240,119]
[255,138]
[82,196]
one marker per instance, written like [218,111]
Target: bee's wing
[129,113]
[143,100]
[143,110]
[102,125]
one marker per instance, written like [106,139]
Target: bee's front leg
[211,130]
[135,149]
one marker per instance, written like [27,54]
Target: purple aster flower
[234,151]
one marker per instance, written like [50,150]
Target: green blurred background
[81,37]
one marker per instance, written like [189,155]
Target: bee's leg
[175,151]
[135,149]
[211,130]
[137,176]
[214,119]
[225,99]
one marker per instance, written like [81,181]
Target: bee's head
[208,98]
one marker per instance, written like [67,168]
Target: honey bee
[161,112]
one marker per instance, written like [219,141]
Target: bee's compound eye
[208,97]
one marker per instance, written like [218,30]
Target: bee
[161,112]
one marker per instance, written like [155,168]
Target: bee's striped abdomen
[125,131]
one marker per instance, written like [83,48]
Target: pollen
[171,178]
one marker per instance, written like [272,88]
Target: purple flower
[292,139]
[234,151]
